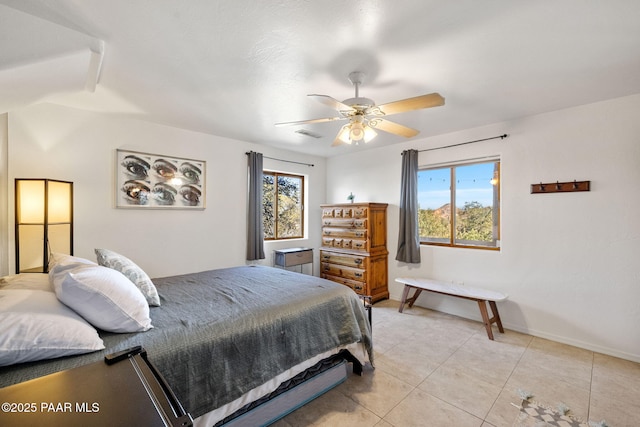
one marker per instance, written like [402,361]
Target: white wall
[48,141]
[569,262]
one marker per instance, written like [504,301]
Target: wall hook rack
[560,187]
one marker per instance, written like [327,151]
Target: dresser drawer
[360,222]
[327,241]
[359,212]
[345,222]
[346,244]
[360,245]
[343,271]
[344,232]
[339,222]
[344,259]
[359,287]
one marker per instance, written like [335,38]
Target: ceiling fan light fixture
[365,117]
[343,135]
[369,134]
[357,132]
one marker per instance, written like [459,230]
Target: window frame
[276,174]
[452,241]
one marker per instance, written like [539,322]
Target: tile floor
[434,369]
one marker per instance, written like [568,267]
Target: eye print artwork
[149,180]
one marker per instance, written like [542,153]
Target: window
[282,197]
[460,205]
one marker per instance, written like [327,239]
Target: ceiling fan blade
[331,102]
[303,122]
[416,103]
[337,142]
[391,127]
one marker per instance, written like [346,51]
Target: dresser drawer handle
[358,261]
[359,275]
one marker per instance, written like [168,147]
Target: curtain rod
[283,160]
[464,143]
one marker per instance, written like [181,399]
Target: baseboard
[573,342]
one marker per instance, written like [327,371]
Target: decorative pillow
[64,259]
[103,296]
[34,281]
[36,326]
[134,273]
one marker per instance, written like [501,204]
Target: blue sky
[472,184]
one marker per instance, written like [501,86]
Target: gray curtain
[408,236]
[255,234]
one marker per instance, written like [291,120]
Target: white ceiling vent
[308,133]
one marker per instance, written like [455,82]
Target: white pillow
[65,259]
[104,297]
[34,281]
[36,326]
[130,269]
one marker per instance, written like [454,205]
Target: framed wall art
[152,181]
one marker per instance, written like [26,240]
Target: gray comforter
[221,333]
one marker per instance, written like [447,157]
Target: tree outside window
[282,214]
[460,205]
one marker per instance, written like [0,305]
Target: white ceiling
[235,67]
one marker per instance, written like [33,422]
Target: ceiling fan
[365,117]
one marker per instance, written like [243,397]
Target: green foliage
[289,208]
[432,224]
[474,223]
[283,194]
[268,206]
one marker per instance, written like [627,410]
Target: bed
[213,328]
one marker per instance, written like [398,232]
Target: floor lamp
[44,222]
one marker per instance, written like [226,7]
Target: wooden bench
[481,296]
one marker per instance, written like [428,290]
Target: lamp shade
[43,222]
[369,134]
[343,135]
[357,131]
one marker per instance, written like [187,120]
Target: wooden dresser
[354,247]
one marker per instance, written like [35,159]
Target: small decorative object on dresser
[354,247]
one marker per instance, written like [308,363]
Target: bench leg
[415,296]
[496,315]
[405,294]
[489,321]
[485,317]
